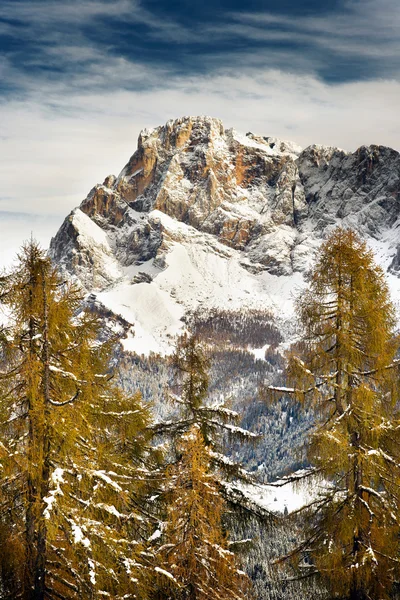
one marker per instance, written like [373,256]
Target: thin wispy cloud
[363,29]
[82,44]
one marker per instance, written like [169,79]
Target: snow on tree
[345,367]
[199,434]
[217,422]
[73,448]
[194,558]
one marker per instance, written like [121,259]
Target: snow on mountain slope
[281,496]
[197,273]
[203,217]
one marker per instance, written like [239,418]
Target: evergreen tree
[217,422]
[195,562]
[345,368]
[72,447]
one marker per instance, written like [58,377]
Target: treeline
[254,328]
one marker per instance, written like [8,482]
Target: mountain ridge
[202,217]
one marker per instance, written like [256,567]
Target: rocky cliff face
[259,204]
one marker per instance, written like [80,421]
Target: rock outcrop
[267,202]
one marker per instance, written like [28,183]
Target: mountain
[205,218]
[209,221]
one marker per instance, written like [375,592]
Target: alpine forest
[134,478]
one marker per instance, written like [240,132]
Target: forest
[125,477]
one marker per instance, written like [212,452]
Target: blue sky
[79,79]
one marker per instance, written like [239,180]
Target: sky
[79,79]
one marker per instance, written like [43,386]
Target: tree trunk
[40,566]
[30,533]
[357,594]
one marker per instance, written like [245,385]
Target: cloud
[367,29]
[75,99]
[54,152]
[43,20]
[355,40]
[18,227]
[45,12]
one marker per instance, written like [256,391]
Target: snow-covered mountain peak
[204,217]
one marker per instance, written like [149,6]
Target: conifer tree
[72,447]
[197,564]
[217,422]
[345,367]
[195,561]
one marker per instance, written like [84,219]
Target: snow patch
[259,353]
[166,573]
[92,238]
[57,479]
[79,536]
[282,497]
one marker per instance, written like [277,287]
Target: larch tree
[195,562]
[217,422]
[201,478]
[73,448]
[345,367]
